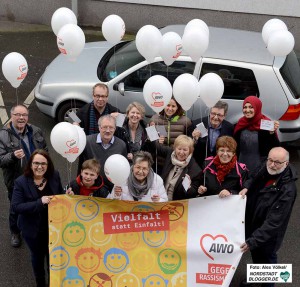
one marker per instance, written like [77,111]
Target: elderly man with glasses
[90,113]
[271,192]
[18,140]
[102,145]
[216,126]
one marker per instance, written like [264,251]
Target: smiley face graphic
[139,257]
[60,209]
[128,280]
[154,238]
[128,241]
[53,236]
[74,234]
[178,234]
[169,261]
[179,280]
[87,209]
[100,280]
[59,258]
[175,209]
[72,278]
[142,208]
[116,260]
[88,259]
[155,280]
[97,236]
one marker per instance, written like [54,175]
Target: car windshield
[117,60]
[290,72]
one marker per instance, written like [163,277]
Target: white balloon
[157,92]
[14,68]
[64,140]
[186,90]
[70,41]
[281,43]
[81,139]
[117,169]
[195,42]
[148,41]
[211,89]
[171,47]
[113,29]
[61,17]
[197,23]
[271,26]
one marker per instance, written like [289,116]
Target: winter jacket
[84,115]
[269,207]
[233,182]
[12,167]
[202,146]
[28,204]
[97,190]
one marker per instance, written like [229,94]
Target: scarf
[135,188]
[94,116]
[136,143]
[224,169]
[181,164]
[252,124]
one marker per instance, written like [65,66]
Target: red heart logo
[213,238]
[70,143]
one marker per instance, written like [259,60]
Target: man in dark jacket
[90,113]
[216,126]
[271,195]
[18,140]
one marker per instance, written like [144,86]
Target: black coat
[84,115]
[269,208]
[27,203]
[192,169]
[202,149]
[233,181]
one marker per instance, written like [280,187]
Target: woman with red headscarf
[254,143]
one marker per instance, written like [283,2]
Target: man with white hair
[271,195]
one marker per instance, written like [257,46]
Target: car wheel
[66,108]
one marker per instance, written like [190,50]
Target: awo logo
[157,98]
[178,51]
[218,244]
[72,145]
[23,72]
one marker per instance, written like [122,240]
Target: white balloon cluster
[68,140]
[186,90]
[14,68]
[70,37]
[150,43]
[280,42]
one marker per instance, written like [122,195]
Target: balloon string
[206,147]
[17,97]
[115,65]
[69,172]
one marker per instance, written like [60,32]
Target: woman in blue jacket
[32,193]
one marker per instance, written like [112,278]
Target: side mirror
[121,88]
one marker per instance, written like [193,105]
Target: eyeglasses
[143,169]
[216,115]
[276,162]
[225,151]
[37,164]
[18,115]
[98,97]
[107,128]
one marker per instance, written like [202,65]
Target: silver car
[239,57]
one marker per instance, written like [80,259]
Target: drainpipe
[75,7]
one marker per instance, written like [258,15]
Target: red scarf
[224,168]
[252,124]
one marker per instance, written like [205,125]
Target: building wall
[248,15]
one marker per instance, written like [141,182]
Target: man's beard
[274,172]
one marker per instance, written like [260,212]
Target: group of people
[241,159]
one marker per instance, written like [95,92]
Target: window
[136,80]
[290,72]
[239,83]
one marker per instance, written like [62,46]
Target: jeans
[13,217]
[38,247]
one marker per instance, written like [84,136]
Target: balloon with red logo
[171,47]
[113,29]
[14,68]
